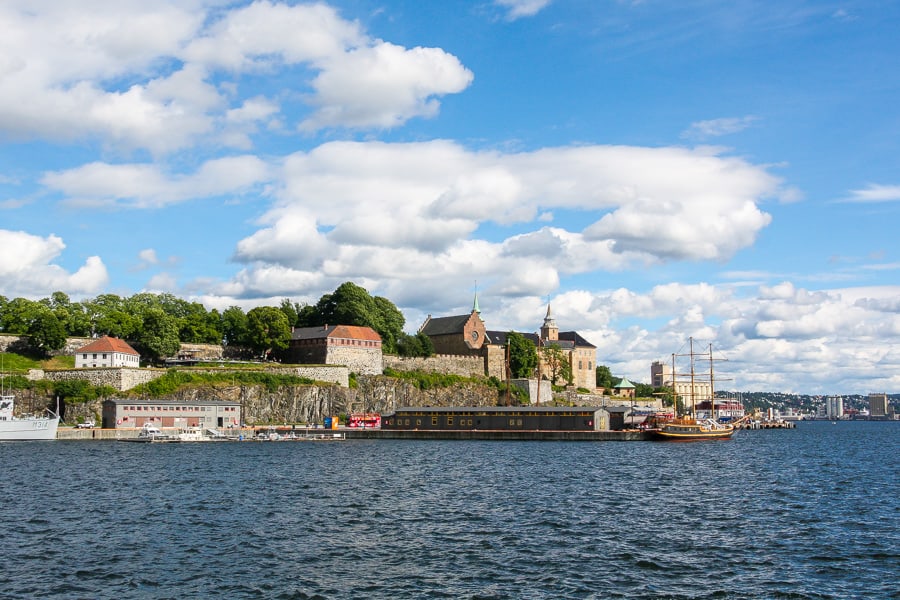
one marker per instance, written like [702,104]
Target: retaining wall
[465,366]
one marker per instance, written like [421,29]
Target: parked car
[88,424]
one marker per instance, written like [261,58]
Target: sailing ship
[688,427]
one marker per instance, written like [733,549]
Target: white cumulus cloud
[28,267]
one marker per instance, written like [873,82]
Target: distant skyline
[654,171]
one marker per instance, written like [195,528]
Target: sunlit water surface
[805,513]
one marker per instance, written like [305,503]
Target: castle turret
[549,330]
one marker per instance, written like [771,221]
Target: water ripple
[804,514]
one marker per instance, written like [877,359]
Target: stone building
[358,348]
[582,355]
[107,351]
[467,335]
[459,335]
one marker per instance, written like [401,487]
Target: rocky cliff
[305,403]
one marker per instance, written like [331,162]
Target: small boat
[688,427]
[151,433]
[25,428]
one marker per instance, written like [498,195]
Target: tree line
[157,324]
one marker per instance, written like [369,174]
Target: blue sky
[653,170]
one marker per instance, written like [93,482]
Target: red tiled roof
[108,344]
[347,332]
[354,332]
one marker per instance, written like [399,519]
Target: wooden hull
[693,432]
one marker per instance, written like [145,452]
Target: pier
[766,425]
[349,433]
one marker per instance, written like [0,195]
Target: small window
[449,419]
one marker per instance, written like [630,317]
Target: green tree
[415,345]
[291,310]
[197,326]
[392,322]
[643,390]
[19,314]
[604,377]
[79,321]
[158,335]
[234,326]
[47,332]
[351,304]
[118,323]
[267,330]
[523,359]
[557,363]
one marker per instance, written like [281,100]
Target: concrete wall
[545,396]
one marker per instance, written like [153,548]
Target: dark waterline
[805,513]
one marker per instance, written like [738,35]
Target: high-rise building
[834,407]
[878,405]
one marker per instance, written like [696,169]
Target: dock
[766,425]
[348,433]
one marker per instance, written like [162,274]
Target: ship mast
[674,390]
[693,398]
[712,387]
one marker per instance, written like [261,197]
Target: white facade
[84,360]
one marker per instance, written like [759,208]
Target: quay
[349,433]
[766,425]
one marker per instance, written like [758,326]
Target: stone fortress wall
[464,366]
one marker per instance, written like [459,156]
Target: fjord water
[805,513]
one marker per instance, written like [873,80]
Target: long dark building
[501,418]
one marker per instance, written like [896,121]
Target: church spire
[475,307]
[549,331]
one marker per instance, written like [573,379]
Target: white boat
[150,433]
[28,427]
[198,434]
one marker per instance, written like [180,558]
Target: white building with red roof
[107,352]
[358,348]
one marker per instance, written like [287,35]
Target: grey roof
[446,325]
[312,333]
[567,340]
[168,402]
[573,337]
